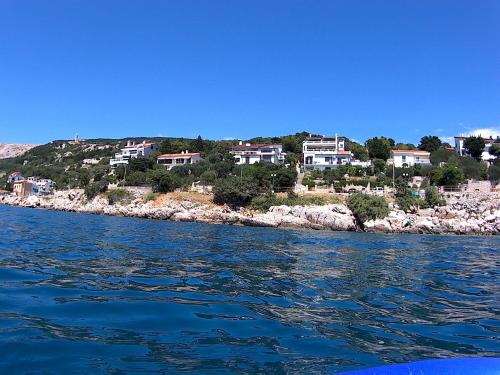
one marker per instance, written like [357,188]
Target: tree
[449,175]
[378,166]
[495,150]
[358,151]
[379,148]
[442,155]
[367,207]
[235,191]
[474,146]
[163,181]
[429,143]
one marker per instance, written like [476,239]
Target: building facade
[488,143]
[325,152]
[408,158]
[173,160]
[14,177]
[132,151]
[24,188]
[254,153]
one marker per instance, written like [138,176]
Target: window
[267,158]
[237,160]
[309,160]
[403,158]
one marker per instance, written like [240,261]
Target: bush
[432,197]
[118,196]
[367,207]
[264,202]
[135,178]
[208,177]
[407,203]
[148,197]
[164,181]
[235,191]
[95,188]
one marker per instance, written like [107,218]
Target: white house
[14,177]
[45,186]
[133,151]
[488,143]
[172,160]
[253,153]
[408,158]
[324,152]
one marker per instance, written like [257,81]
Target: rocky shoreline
[476,214]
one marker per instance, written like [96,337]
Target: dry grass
[328,197]
[163,199]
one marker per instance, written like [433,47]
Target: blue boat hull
[455,366]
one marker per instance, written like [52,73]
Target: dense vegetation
[86,165]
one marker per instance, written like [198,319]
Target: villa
[254,153]
[133,151]
[408,158]
[14,177]
[23,188]
[325,152]
[185,157]
[488,143]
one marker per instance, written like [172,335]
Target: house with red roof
[408,158]
[183,158]
[133,151]
[325,152]
[258,152]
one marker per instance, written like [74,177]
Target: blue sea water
[93,294]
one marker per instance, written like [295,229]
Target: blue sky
[238,69]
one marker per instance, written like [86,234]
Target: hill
[10,150]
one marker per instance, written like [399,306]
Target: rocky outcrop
[474,215]
[479,214]
[9,150]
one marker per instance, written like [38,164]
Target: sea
[82,293]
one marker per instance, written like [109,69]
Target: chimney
[240,143]
[182,152]
[128,143]
[187,151]
[247,144]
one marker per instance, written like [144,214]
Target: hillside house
[488,143]
[325,152]
[408,158]
[133,151]
[261,152]
[183,158]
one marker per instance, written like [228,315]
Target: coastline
[472,215]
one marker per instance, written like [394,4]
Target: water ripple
[85,293]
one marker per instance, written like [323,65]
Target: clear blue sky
[238,69]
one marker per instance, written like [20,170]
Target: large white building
[255,153]
[488,143]
[408,158]
[132,151]
[173,160]
[324,152]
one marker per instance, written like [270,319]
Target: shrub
[407,203]
[432,197]
[208,177]
[118,196]
[235,191]
[148,197]
[367,207]
[264,202]
[164,181]
[95,188]
[135,178]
